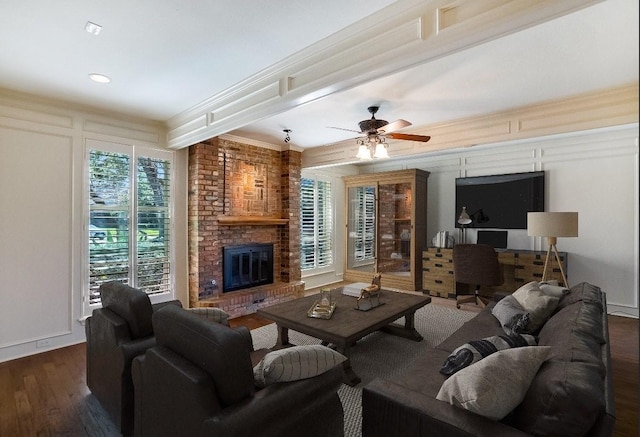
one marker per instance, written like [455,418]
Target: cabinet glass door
[361,229]
[395,229]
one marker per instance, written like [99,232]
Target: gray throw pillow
[476,350]
[512,317]
[534,301]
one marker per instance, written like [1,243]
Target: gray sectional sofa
[571,393]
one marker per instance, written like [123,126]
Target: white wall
[594,173]
[41,217]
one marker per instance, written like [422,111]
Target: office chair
[476,265]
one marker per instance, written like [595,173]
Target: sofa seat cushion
[484,324]
[423,374]
[567,394]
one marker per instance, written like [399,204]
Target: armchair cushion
[131,304]
[221,352]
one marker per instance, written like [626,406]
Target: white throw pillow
[536,303]
[494,386]
[554,290]
[294,363]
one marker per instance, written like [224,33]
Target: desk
[519,267]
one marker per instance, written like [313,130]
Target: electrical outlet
[45,342]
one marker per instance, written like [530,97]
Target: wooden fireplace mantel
[243,220]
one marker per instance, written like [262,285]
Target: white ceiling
[165,57]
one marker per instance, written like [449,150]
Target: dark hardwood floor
[46,394]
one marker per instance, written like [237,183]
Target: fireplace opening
[248,265]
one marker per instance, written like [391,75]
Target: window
[365,219]
[316,224]
[129,226]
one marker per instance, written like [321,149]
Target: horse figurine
[371,292]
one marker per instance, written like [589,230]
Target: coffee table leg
[349,376]
[283,336]
[406,331]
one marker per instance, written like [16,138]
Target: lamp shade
[464,218]
[552,224]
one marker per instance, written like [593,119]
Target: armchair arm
[306,398]
[391,410]
[211,313]
[159,305]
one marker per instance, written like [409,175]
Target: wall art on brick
[249,192]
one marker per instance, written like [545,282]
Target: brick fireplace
[241,194]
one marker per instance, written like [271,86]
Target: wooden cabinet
[437,272]
[386,227]
[518,266]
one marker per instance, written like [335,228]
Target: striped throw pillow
[294,363]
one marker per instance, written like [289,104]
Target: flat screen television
[500,201]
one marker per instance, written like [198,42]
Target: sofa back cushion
[131,304]
[567,395]
[220,351]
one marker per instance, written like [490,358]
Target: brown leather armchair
[116,334]
[198,381]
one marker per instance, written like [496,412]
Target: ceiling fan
[374,126]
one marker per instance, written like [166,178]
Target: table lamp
[552,225]
[463,220]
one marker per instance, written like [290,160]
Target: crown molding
[607,108]
[402,35]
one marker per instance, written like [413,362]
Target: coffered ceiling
[211,67]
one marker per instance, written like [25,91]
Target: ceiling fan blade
[341,128]
[393,126]
[410,137]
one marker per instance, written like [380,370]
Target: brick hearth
[229,182]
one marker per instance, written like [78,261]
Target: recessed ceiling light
[100,78]
[92,28]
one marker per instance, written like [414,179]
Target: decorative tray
[367,305]
[321,311]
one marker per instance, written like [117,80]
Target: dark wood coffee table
[347,325]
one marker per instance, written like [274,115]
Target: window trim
[134,151]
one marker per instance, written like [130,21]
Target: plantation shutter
[129,230]
[153,226]
[109,204]
[316,224]
[366,223]
[325,224]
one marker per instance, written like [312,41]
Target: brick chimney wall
[213,177]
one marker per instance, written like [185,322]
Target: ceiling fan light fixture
[381,151]
[364,154]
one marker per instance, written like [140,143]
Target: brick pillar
[290,183]
[204,206]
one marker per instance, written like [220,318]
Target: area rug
[378,354]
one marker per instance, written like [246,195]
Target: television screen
[500,201]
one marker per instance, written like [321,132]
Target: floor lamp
[552,225]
